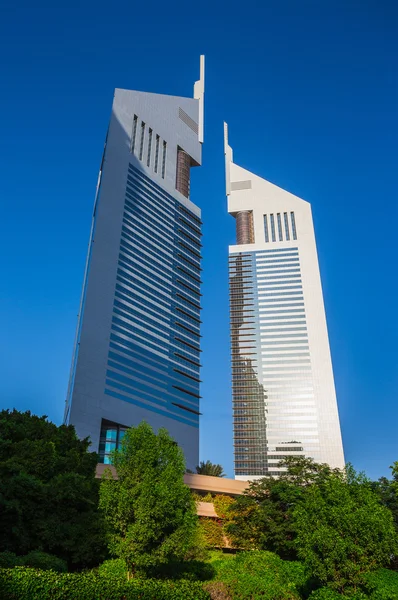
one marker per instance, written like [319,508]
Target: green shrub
[212,531]
[23,583]
[327,593]
[8,560]
[115,567]
[382,585]
[44,561]
[262,575]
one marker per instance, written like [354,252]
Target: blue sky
[310,92]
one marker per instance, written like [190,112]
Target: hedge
[23,583]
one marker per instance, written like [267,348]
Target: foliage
[29,584]
[342,530]
[264,575]
[222,504]
[48,491]
[44,561]
[115,567]
[382,585]
[326,593]
[149,510]
[36,559]
[209,468]
[8,560]
[262,518]
[212,531]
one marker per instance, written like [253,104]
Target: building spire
[228,160]
[199,94]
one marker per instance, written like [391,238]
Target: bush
[262,575]
[8,560]
[23,583]
[44,561]
[114,568]
[212,531]
[327,593]
[382,585]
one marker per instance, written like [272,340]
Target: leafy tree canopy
[342,530]
[262,518]
[150,512]
[48,490]
[209,468]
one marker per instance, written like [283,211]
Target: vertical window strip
[272,227]
[287,232]
[157,153]
[148,162]
[164,159]
[133,134]
[293,220]
[266,234]
[280,234]
[142,139]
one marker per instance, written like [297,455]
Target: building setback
[284,400]
[136,354]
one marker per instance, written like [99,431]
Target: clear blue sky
[309,89]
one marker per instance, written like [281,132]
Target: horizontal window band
[189,249]
[187,329]
[186,391]
[187,344]
[188,314]
[189,274]
[190,225]
[190,262]
[190,237]
[188,300]
[187,359]
[191,410]
[187,375]
[188,287]
[191,215]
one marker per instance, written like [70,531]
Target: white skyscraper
[284,400]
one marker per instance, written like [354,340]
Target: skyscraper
[137,347]
[284,400]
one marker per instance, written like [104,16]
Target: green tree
[150,512]
[48,491]
[209,468]
[342,530]
[262,518]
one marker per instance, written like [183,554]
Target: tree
[208,468]
[342,530]
[48,491]
[262,518]
[150,512]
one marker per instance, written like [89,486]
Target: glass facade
[154,355]
[272,382]
[110,438]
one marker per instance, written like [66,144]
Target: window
[110,439]
[157,153]
[278,216]
[142,139]
[293,220]
[164,159]
[133,134]
[148,162]
[266,229]
[287,233]
[272,228]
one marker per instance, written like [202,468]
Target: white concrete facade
[285,325]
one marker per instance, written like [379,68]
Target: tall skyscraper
[284,400]
[137,347]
